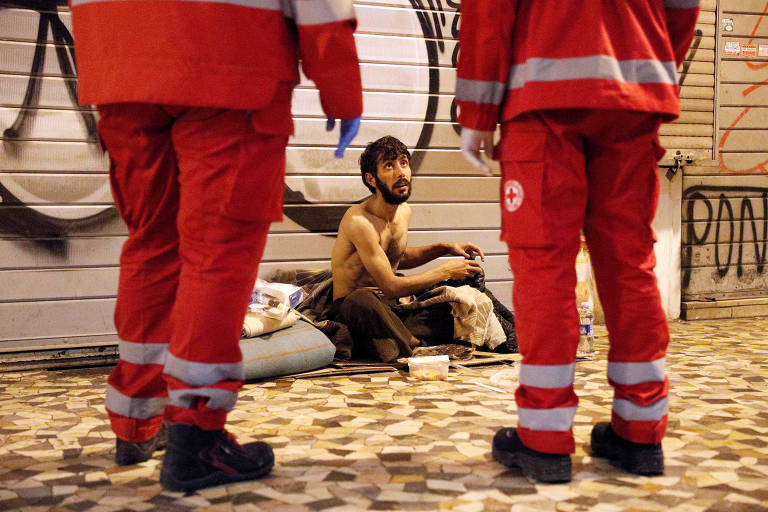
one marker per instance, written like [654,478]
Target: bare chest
[393,242]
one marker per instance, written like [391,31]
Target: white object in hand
[472,142]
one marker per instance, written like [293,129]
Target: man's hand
[465,249]
[459,270]
[472,141]
[373,289]
[349,128]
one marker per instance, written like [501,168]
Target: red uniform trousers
[197,188]
[596,170]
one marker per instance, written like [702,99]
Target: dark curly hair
[383,149]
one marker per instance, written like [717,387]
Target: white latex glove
[472,141]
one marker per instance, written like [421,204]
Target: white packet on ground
[506,378]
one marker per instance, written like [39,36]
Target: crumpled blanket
[318,299]
[475,318]
[472,310]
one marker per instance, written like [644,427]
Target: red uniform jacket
[524,55]
[219,53]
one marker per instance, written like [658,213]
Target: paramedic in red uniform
[194,100]
[580,89]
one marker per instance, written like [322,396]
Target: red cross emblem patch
[513,195]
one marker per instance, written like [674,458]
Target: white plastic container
[428,367]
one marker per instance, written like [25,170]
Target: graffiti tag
[732,227]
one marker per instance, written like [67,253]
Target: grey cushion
[299,348]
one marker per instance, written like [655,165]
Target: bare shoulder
[357,223]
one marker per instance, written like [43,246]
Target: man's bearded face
[399,193]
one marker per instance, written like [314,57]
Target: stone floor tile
[384,441]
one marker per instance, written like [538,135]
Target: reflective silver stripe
[139,408]
[306,12]
[142,353]
[557,420]
[217,398]
[547,376]
[271,5]
[596,66]
[636,373]
[315,12]
[202,374]
[480,91]
[633,412]
[681,4]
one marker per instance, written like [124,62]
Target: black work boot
[127,453]
[544,467]
[637,458]
[197,458]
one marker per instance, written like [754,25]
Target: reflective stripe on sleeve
[547,376]
[217,398]
[681,4]
[629,411]
[316,12]
[138,408]
[593,67]
[555,420]
[480,91]
[270,5]
[636,373]
[142,353]
[202,374]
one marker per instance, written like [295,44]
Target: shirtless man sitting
[372,246]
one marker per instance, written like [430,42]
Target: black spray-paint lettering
[17,218]
[737,227]
[65,55]
[691,54]
[432,19]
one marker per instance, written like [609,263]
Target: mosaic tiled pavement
[386,442]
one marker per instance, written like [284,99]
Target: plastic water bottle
[586,303]
[583,273]
[586,347]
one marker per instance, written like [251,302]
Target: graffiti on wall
[16,216]
[20,218]
[758,166]
[731,222]
[698,35]
[733,226]
[435,27]
[65,54]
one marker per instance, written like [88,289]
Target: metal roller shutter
[725,201]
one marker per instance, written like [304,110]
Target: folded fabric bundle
[257,323]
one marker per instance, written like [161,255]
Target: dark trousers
[383,331]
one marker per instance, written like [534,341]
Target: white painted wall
[667,225]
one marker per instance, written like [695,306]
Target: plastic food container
[428,367]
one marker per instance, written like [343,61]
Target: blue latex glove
[349,128]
